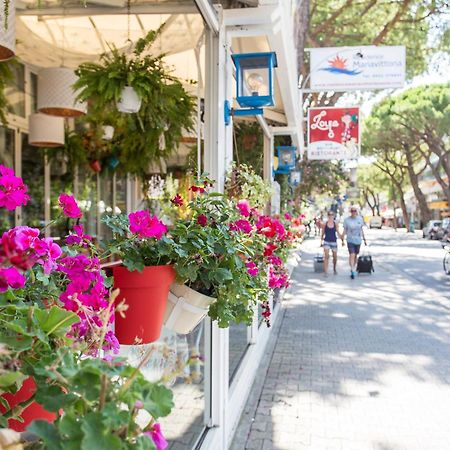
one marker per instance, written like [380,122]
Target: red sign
[333,133]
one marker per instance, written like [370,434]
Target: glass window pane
[87,199]
[33,176]
[121,195]
[15,91]
[105,204]
[178,360]
[33,91]
[7,147]
[238,346]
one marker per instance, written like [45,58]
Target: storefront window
[178,360]
[238,346]
[33,175]
[7,147]
[87,199]
[15,91]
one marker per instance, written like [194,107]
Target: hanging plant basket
[145,294]
[7,30]
[185,309]
[108,132]
[129,101]
[34,411]
[95,166]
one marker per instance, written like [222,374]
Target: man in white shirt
[353,228]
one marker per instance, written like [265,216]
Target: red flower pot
[146,295]
[95,166]
[34,411]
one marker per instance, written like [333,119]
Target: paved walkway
[357,365]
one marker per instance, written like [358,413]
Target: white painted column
[218,155]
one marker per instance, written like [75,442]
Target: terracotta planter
[34,411]
[185,309]
[146,294]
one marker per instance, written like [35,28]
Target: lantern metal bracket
[230,112]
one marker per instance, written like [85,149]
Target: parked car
[375,222]
[430,230]
[444,229]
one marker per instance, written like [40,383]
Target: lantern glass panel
[287,157]
[256,82]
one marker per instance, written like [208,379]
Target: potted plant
[213,252]
[143,277]
[57,343]
[166,107]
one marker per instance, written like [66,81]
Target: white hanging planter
[8,32]
[108,132]
[129,101]
[45,131]
[185,309]
[56,95]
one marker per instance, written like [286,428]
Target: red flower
[202,220]
[199,189]
[177,200]
[269,249]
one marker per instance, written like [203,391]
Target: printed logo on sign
[339,66]
[324,125]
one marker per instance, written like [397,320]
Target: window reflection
[178,361]
[33,175]
[15,90]
[238,346]
[7,147]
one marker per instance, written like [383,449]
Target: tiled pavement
[357,365]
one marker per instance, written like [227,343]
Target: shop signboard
[357,68]
[333,133]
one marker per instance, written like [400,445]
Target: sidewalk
[357,365]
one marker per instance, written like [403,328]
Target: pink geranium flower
[69,206]
[244,207]
[48,253]
[79,238]
[241,225]
[17,247]
[13,191]
[145,225]
[11,277]
[157,437]
[252,269]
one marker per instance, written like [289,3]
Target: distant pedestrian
[329,236]
[353,228]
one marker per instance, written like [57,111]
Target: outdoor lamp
[254,84]
[56,95]
[286,157]
[45,130]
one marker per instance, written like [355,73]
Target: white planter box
[185,309]
[129,101]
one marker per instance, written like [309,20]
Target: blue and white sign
[357,68]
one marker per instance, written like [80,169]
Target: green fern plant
[167,108]
[6,76]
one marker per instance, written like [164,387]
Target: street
[358,364]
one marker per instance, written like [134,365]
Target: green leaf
[144,443]
[222,275]
[158,401]
[56,320]
[96,435]
[48,433]
[9,378]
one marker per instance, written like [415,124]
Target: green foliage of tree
[248,145]
[320,177]
[372,182]
[6,76]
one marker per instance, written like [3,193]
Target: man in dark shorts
[353,228]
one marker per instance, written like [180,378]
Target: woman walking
[329,236]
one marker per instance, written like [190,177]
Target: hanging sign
[333,133]
[357,68]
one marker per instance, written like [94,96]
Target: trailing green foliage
[6,76]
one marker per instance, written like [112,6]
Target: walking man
[353,228]
[329,236]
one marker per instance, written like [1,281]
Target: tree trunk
[301,28]
[425,213]
[403,206]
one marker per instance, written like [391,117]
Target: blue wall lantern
[286,158]
[254,84]
[295,177]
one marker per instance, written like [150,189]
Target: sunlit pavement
[358,364]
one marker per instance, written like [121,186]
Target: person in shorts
[329,236]
[353,229]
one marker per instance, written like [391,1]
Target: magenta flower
[275,260]
[13,191]
[287,216]
[241,225]
[111,343]
[145,225]
[17,247]
[69,206]
[202,220]
[244,207]
[11,277]
[48,253]
[158,439]
[277,279]
[79,238]
[252,269]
